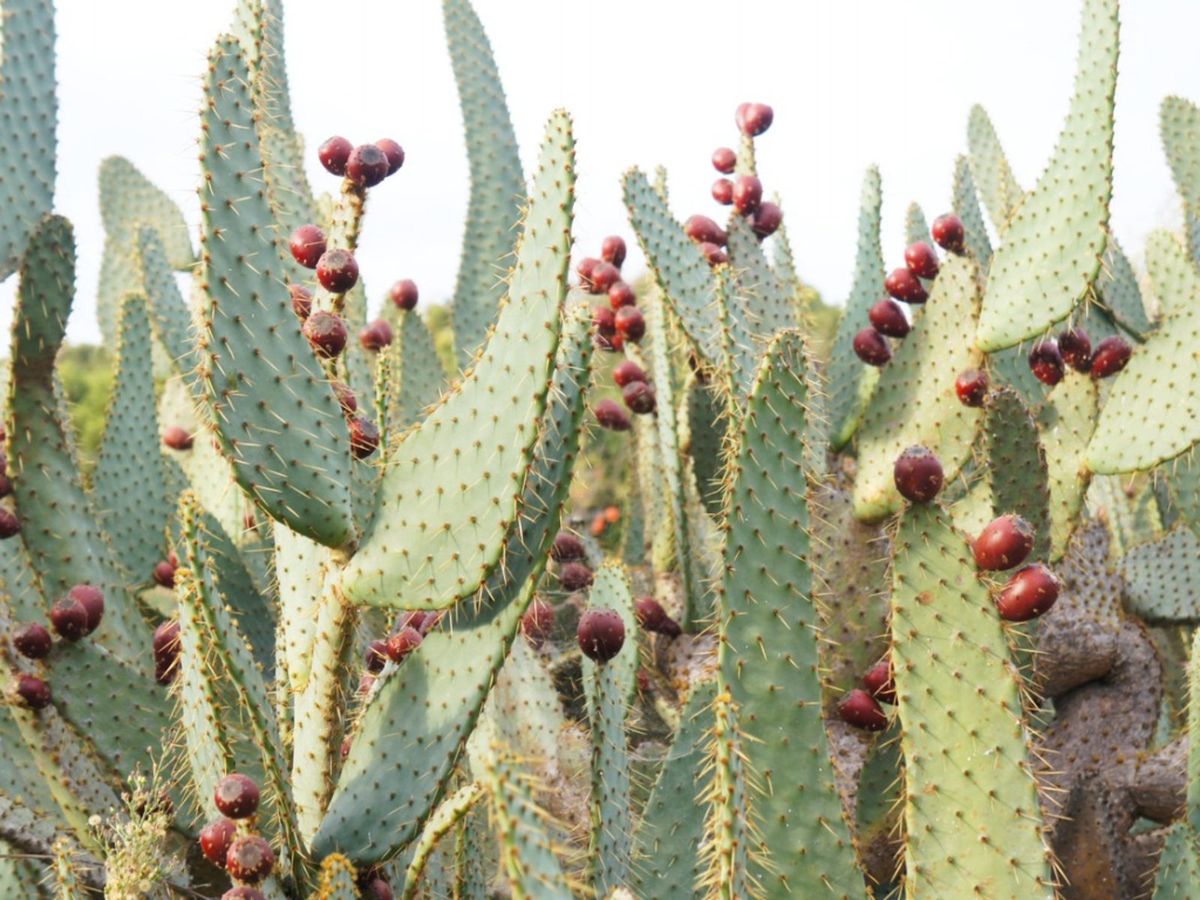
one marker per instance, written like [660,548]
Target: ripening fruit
[334,153]
[604,320]
[971,386]
[376,656]
[765,220]
[236,796]
[880,682]
[918,475]
[860,709]
[574,576]
[364,437]
[307,243]
[166,651]
[69,619]
[872,347]
[92,599]
[33,691]
[10,525]
[621,294]
[537,623]
[612,250]
[301,301]
[905,286]
[1028,594]
[164,571]
[921,260]
[243,892]
[753,118]
[724,160]
[722,191]
[1003,543]
[402,643]
[393,153]
[888,318]
[249,859]
[404,293]
[377,888]
[567,547]
[32,641]
[604,276]
[177,438]
[652,617]
[610,415]
[713,253]
[702,229]
[215,838]
[368,165]
[601,634]
[1046,362]
[1075,347]
[375,336]
[630,323]
[747,194]
[948,233]
[1111,356]
[345,397]
[627,371]
[326,333]
[584,270]
[337,270]
[639,397]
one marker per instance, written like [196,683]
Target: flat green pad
[170,315]
[915,403]
[417,376]
[1179,125]
[964,737]
[1065,422]
[451,489]
[28,117]
[1162,578]
[1052,247]
[768,652]
[1184,478]
[916,227]
[1153,408]
[1119,291]
[1016,467]
[497,183]
[850,381]
[966,207]
[993,176]
[276,416]
[765,297]
[1178,875]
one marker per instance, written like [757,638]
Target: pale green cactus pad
[1162,578]
[966,207]
[1065,422]
[1179,125]
[993,175]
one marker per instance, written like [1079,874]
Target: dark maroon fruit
[1075,347]
[33,691]
[872,347]
[921,260]
[1028,594]
[365,684]
[880,683]
[971,387]
[10,525]
[393,153]
[860,709]
[404,293]
[334,153]
[243,892]
[574,576]
[630,322]
[904,285]
[621,294]
[601,634]
[92,599]
[753,118]
[345,397]
[364,437]
[307,243]
[1003,543]
[337,270]
[414,619]
[610,415]
[177,438]
[612,250]
[765,220]
[1111,356]
[69,619]
[166,639]
[639,397]
[722,191]
[326,332]
[367,165]
[747,194]
[375,336]
[236,796]
[947,231]
[402,643]
[301,300]
[604,276]
[888,318]
[918,475]
[538,622]
[713,253]
[702,229]
[626,372]
[215,838]
[584,270]
[604,320]
[6,485]
[652,617]
[567,547]
[32,641]
[1046,362]
[249,859]
[376,656]
[378,889]
[724,160]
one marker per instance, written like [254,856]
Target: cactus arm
[915,403]
[766,296]
[1145,421]
[959,702]
[916,226]
[130,486]
[1179,126]
[1162,578]
[445,820]
[768,651]
[276,417]
[729,834]
[300,566]
[336,880]
[1017,468]
[850,382]
[417,378]
[1065,424]
[451,488]
[878,806]
[1178,873]
[739,349]
[1184,491]
[434,698]
[1052,248]
[29,113]
[170,316]
[993,176]
[1119,305]
[965,202]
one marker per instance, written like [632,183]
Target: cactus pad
[1162,578]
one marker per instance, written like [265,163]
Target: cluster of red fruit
[621,320]
[9,523]
[411,628]
[568,551]
[905,284]
[636,391]
[1074,348]
[73,617]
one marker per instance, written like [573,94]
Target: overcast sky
[648,82]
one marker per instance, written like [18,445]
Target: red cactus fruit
[393,153]
[604,276]
[604,320]
[888,318]
[611,416]
[1003,543]
[639,397]
[765,220]
[612,250]
[905,286]
[365,684]
[367,165]
[92,599]
[574,576]
[621,294]
[702,229]
[377,889]
[747,194]
[1028,594]
[6,485]
[860,709]
[166,651]
[1111,356]
[10,525]
[722,191]
[652,617]
[404,293]
[364,437]
[413,618]
[753,118]
[880,682]
[249,859]
[1046,362]
[872,347]
[584,270]
[630,322]
[626,372]
[724,160]
[334,153]
[918,475]
[402,643]
[538,622]
[971,386]
[345,397]
[69,619]
[243,892]
[337,270]
[1075,347]
[376,656]
[33,691]
[601,634]
[301,301]
[567,547]
[32,641]
[921,260]
[215,838]
[326,333]
[307,243]
[713,253]
[375,336]
[236,796]
[177,438]
[948,233]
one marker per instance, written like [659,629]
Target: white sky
[648,82]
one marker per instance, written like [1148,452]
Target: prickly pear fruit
[604,320]
[375,336]
[10,525]
[880,682]
[630,322]
[724,160]
[92,599]
[601,634]
[1046,362]
[364,437]
[301,301]
[243,892]
[334,153]
[948,233]
[567,548]
[326,332]
[367,165]
[765,220]
[404,293]
[872,347]
[905,286]
[1111,356]
[307,244]
[249,859]
[611,416]
[702,229]
[376,656]
[574,576]
[1028,594]
[393,153]
[236,796]
[69,619]
[860,709]
[640,398]
[621,294]
[166,651]
[652,617]
[747,194]
[713,253]
[972,387]
[918,475]
[337,270]
[1075,347]
[887,316]
[627,371]
[215,838]
[612,250]
[32,641]
[1003,543]
[346,398]
[722,191]
[33,691]
[177,438]
[538,622]
[753,118]
[921,260]
[402,643]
